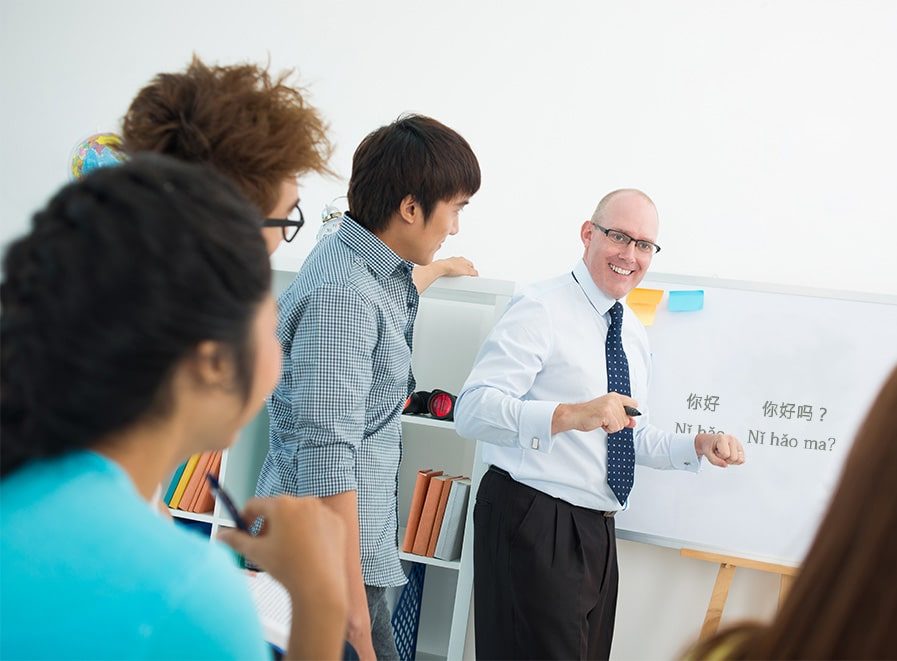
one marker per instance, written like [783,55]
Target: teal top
[89,570]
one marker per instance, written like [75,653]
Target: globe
[96,151]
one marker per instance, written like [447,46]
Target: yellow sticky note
[645,313]
[644,303]
[644,297]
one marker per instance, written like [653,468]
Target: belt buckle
[609,515]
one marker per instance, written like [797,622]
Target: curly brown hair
[254,129]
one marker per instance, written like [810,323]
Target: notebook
[272,602]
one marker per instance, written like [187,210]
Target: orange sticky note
[644,303]
[645,313]
[640,296]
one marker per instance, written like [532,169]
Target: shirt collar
[379,256]
[599,300]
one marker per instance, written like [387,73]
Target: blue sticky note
[686,301]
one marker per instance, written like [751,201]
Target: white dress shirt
[546,350]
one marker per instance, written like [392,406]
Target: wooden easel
[727,566]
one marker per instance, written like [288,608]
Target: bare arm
[345,505]
[424,276]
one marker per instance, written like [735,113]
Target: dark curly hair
[255,130]
[120,277]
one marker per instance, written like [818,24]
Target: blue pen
[218,492]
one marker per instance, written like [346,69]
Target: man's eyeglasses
[622,239]
[290,225]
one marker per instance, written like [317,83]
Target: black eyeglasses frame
[656,248]
[290,228]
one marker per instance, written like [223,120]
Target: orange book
[196,480]
[428,516]
[205,502]
[440,512]
[417,505]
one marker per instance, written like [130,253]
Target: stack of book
[438,513]
[189,488]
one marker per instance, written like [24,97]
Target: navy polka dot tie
[620,450]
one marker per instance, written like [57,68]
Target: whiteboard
[791,373]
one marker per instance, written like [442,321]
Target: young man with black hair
[346,328]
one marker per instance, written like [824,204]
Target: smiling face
[615,269]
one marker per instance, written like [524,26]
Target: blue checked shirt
[345,328]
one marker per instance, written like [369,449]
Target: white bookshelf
[191,516]
[411,557]
[455,316]
[427,421]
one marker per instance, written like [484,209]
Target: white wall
[764,131]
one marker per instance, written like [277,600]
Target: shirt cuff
[535,426]
[682,453]
[326,470]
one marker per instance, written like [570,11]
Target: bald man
[548,394]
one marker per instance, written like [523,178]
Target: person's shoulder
[88,535]
[536,304]
[548,292]
[51,489]
[332,265]
[330,261]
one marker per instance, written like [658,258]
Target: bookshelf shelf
[427,421]
[192,516]
[435,562]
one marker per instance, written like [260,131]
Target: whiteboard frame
[769,287]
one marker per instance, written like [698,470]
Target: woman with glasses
[137,328]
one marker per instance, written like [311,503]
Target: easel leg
[717,600]
[784,587]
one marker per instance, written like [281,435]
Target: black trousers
[545,575]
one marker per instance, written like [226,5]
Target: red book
[417,505]
[428,516]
